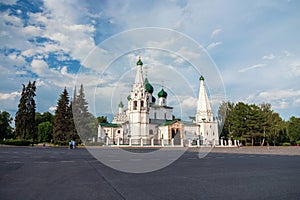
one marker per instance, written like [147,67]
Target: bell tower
[138,107]
[208,127]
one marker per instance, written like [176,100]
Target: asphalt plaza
[60,173]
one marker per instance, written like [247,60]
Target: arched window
[142,103]
[150,132]
[134,105]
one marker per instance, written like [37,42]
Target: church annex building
[148,120]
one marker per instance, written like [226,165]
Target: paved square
[60,173]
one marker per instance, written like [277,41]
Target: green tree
[277,132]
[293,128]
[85,122]
[238,120]
[5,128]
[25,116]
[102,119]
[45,130]
[225,119]
[265,122]
[43,117]
[73,132]
[61,129]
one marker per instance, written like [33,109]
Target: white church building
[150,121]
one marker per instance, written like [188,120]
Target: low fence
[169,142]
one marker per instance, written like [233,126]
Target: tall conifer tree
[25,116]
[61,130]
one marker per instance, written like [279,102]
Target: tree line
[257,125]
[71,120]
[250,123]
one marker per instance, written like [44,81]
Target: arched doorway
[176,136]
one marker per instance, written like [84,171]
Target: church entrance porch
[175,130]
[176,136]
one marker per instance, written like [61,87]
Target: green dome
[201,78]
[139,62]
[129,97]
[121,105]
[148,86]
[162,93]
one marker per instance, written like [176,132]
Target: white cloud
[252,67]
[9,96]
[39,67]
[188,102]
[278,94]
[213,45]
[64,70]
[215,32]
[52,108]
[295,69]
[281,105]
[74,24]
[39,82]
[269,57]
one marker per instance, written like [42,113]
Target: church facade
[150,121]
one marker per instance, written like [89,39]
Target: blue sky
[253,44]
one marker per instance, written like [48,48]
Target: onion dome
[121,105]
[201,78]
[139,62]
[148,86]
[162,93]
[129,97]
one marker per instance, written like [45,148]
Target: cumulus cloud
[9,96]
[71,29]
[279,94]
[39,67]
[295,69]
[52,108]
[189,103]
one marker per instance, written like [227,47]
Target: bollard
[142,142]
[130,142]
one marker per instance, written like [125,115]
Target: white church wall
[191,132]
[163,132]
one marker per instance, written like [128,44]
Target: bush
[17,142]
[62,143]
[286,144]
[248,144]
[298,142]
